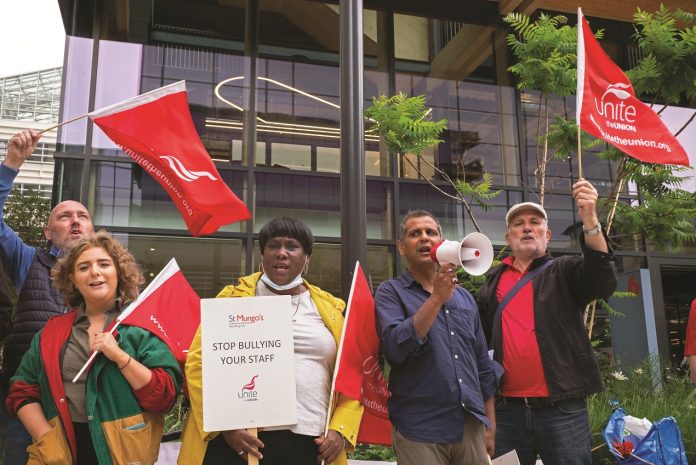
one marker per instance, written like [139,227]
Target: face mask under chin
[281,287]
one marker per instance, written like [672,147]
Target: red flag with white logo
[358,374]
[608,109]
[169,308]
[157,131]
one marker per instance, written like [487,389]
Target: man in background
[29,270]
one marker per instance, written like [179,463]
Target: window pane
[68,179]
[207,264]
[122,194]
[292,156]
[316,201]
[72,137]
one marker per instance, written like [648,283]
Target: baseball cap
[524,206]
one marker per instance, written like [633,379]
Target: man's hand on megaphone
[445,282]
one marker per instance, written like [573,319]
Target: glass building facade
[452,53]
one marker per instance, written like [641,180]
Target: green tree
[27,214]
[668,56]
[406,126]
[545,53]
[549,68]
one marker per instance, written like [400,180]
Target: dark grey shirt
[75,355]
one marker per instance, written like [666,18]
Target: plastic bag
[662,445]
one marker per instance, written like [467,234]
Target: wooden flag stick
[580,176]
[252,459]
[63,123]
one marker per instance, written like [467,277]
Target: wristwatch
[594,231]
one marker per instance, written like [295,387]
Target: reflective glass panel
[122,194]
[316,201]
[207,264]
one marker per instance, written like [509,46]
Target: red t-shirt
[690,346]
[524,374]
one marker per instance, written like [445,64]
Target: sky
[31,36]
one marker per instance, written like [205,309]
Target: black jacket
[37,302]
[561,293]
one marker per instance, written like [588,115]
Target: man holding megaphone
[532,312]
[442,381]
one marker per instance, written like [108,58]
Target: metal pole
[353,186]
[251,53]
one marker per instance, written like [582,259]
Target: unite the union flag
[156,130]
[607,107]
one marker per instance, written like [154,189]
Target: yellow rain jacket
[346,412]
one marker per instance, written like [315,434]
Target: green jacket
[123,432]
[346,413]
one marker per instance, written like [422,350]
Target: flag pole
[579,153]
[163,275]
[93,356]
[580,86]
[64,123]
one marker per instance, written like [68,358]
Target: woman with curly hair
[114,413]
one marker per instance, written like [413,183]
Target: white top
[315,357]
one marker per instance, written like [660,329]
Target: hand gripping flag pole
[152,310]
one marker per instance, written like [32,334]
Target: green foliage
[608,308]
[174,420]
[373,452]
[563,137]
[405,123]
[634,390]
[479,191]
[664,213]
[667,70]
[27,214]
[545,51]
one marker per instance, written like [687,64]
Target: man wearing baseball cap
[532,313]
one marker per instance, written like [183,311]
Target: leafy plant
[669,56]
[635,391]
[406,126]
[374,452]
[27,214]
[405,123]
[545,52]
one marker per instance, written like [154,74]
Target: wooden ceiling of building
[616,10]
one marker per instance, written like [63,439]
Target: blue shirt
[16,256]
[436,380]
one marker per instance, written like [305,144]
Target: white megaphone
[474,253]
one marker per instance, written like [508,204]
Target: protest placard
[248,363]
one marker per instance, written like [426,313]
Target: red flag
[608,109]
[157,131]
[690,346]
[169,308]
[358,374]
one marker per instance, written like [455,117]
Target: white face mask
[282,287]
